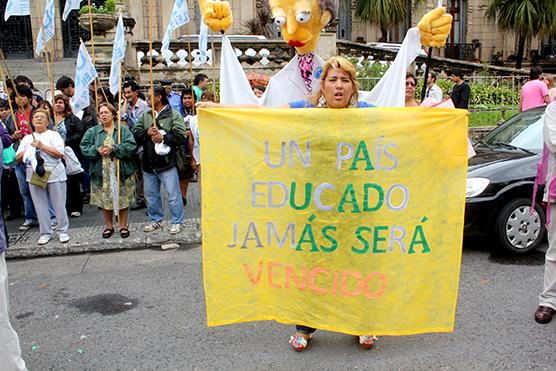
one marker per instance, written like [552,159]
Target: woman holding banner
[100,145]
[338,89]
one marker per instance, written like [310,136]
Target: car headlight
[476,186]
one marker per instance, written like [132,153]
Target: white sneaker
[152,227]
[175,229]
[26,226]
[75,214]
[63,237]
[44,239]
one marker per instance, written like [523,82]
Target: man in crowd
[200,83]
[160,143]
[433,90]
[132,108]
[89,115]
[18,130]
[173,97]
[133,105]
[461,91]
[534,92]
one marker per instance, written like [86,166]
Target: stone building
[473,37]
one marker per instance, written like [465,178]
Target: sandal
[367,341]
[300,341]
[107,233]
[124,232]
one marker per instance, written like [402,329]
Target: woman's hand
[37,144]
[104,150]
[207,105]
[17,135]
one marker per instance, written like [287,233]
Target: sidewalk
[86,233]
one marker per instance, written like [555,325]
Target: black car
[500,183]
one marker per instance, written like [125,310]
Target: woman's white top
[52,164]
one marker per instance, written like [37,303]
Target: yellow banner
[345,220]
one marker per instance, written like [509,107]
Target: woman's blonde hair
[550,79]
[338,63]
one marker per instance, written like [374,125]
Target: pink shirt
[532,94]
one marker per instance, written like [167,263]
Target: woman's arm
[88,145]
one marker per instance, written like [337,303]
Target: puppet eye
[303,17]
[279,21]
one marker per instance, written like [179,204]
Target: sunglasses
[408,83]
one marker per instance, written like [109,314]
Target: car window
[523,130]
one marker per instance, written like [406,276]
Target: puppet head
[302,21]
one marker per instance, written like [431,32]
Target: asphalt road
[145,310]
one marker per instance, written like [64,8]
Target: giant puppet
[301,23]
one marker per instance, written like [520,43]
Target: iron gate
[16,38]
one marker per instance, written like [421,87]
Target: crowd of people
[60,160]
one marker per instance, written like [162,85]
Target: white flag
[70,5]
[16,7]
[47,30]
[118,54]
[203,41]
[179,17]
[85,73]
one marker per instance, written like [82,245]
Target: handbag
[9,156]
[40,181]
[73,166]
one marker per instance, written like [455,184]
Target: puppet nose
[291,24]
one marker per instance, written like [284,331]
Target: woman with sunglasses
[410,84]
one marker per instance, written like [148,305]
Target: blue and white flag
[17,7]
[47,30]
[85,73]
[118,55]
[179,17]
[70,5]
[203,41]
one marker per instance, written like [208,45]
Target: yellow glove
[217,14]
[435,27]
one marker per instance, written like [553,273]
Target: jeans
[170,180]
[30,213]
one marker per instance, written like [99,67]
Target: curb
[89,239]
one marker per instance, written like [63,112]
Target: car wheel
[517,229]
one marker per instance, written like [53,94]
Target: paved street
[145,310]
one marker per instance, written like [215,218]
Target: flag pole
[191,64]
[93,49]
[9,98]
[213,65]
[49,68]
[119,130]
[151,59]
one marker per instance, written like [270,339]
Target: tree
[525,17]
[386,13]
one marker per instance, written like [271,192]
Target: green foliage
[109,7]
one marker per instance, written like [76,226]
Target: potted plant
[104,17]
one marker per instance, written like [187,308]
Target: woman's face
[410,88]
[105,116]
[40,122]
[59,106]
[337,88]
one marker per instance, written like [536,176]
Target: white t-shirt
[53,164]
[194,127]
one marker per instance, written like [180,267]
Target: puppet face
[300,22]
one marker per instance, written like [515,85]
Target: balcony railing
[462,52]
